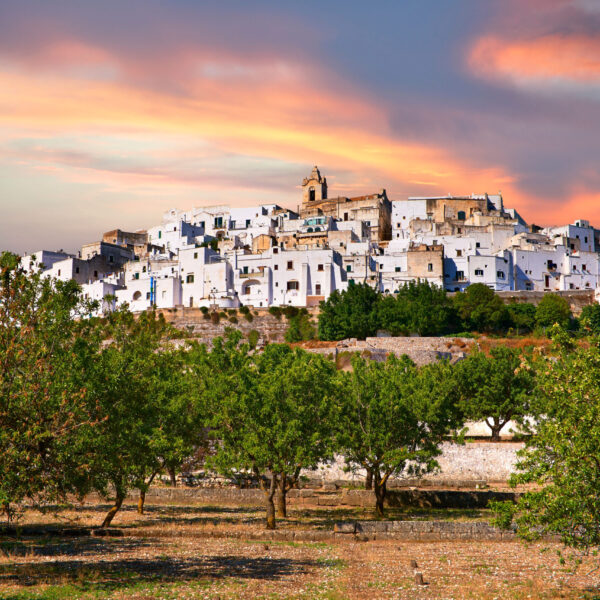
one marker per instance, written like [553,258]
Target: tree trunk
[172,476]
[270,512]
[496,427]
[114,510]
[281,504]
[141,500]
[380,492]
[369,479]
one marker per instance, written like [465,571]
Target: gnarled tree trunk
[380,485]
[143,490]
[120,496]
[369,479]
[496,426]
[269,490]
[285,484]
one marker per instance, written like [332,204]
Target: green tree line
[421,308]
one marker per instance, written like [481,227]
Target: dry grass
[167,554]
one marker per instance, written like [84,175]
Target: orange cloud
[569,58]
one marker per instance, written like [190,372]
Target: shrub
[233,319]
[290,311]
[553,309]
[253,337]
[204,309]
[275,311]
[300,329]
[481,309]
[244,310]
[248,316]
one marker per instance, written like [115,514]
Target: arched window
[317,229]
[310,230]
[311,194]
[137,295]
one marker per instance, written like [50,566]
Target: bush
[275,311]
[244,310]
[253,337]
[248,316]
[290,311]
[349,314]
[204,309]
[300,329]
[522,316]
[481,309]
[590,318]
[232,312]
[233,319]
[553,309]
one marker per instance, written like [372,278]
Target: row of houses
[270,255]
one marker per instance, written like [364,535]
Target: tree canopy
[481,309]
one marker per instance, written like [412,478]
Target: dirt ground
[171,553]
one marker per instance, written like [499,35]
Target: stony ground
[171,553]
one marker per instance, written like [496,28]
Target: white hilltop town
[266,255]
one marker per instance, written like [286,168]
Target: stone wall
[470,464]
[341,498]
[577,298]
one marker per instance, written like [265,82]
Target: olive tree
[394,417]
[274,416]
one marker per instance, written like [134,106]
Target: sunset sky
[112,112]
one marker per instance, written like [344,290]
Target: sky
[113,112]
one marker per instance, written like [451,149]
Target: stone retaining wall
[338,498]
[421,530]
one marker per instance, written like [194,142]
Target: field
[184,552]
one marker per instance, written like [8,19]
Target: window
[276,284]
[111,258]
[397,269]
[163,295]
[136,275]
[459,230]
[275,250]
[143,269]
[479,272]
[96,274]
[189,278]
[137,295]
[459,253]
[245,270]
[195,255]
[59,272]
[348,268]
[430,267]
[368,223]
[290,265]
[318,289]
[232,224]
[76,269]
[292,285]
[202,224]
[500,274]
[311,194]
[309,230]
[159,234]
[218,222]
[247,223]
[399,225]
[460,275]
[583,268]
[477,245]
[276,268]
[319,267]
[585,239]
[147,295]
[461,215]
[345,216]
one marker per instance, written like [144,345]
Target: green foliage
[272,414]
[590,318]
[562,457]
[212,244]
[394,418]
[253,337]
[522,316]
[503,513]
[45,403]
[275,311]
[204,310]
[480,309]
[418,307]
[300,328]
[495,388]
[249,317]
[244,310]
[350,313]
[553,309]
[233,319]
